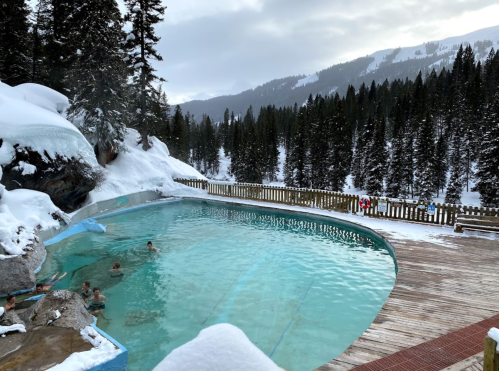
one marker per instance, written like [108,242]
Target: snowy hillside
[481,41]
[397,63]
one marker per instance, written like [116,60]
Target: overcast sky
[219,47]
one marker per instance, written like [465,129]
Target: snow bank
[44,97]
[221,347]
[17,327]
[103,351]
[23,121]
[137,170]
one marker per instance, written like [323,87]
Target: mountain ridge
[390,64]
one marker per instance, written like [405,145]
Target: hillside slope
[400,62]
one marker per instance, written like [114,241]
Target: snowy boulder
[222,347]
[17,272]
[41,150]
[60,308]
[66,180]
[10,318]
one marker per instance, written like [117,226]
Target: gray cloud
[235,45]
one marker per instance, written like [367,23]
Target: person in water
[44,287]
[11,303]
[116,271]
[150,247]
[85,291]
[97,305]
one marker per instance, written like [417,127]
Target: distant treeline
[398,139]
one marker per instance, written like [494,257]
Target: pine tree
[224,132]
[270,143]
[100,79]
[177,143]
[15,59]
[143,14]
[395,179]
[160,116]
[441,164]
[319,152]
[376,158]
[488,164]
[297,169]
[340,152]
[212,157]
[424,154]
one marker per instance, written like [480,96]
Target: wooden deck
[438,290]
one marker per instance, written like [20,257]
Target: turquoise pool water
[301,288]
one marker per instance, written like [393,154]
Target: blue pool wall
[118,363]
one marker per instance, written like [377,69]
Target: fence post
[490,356]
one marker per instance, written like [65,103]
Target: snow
[27,209]
[30,121]
[494,335]
[136,170]
[17,327]
[44,97]
[26,168]
[221,347]
[102,351]
[307,80]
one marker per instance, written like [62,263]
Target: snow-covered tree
[424,153]
[376,157]
[99,79]
[488,164]
[143,14]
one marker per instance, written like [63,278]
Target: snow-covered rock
[28,125]
[222,347]
[40,149]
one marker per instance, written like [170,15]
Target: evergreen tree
[159,115]
[179,138]
[15,59]
[488,164]
[424,154]
[100,79]
[270,143]
[376,158]
[252,163]
[319,151]
[441,164]
[143,14]
[395,179]
[224,132]
[297,172]
[212,157]
[340,153]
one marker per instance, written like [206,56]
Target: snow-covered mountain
[399,62]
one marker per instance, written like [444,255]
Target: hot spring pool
[301,288]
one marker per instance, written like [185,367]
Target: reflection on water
[301,288]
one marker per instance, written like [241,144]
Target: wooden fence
[380,207]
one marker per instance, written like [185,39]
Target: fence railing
[380,207]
